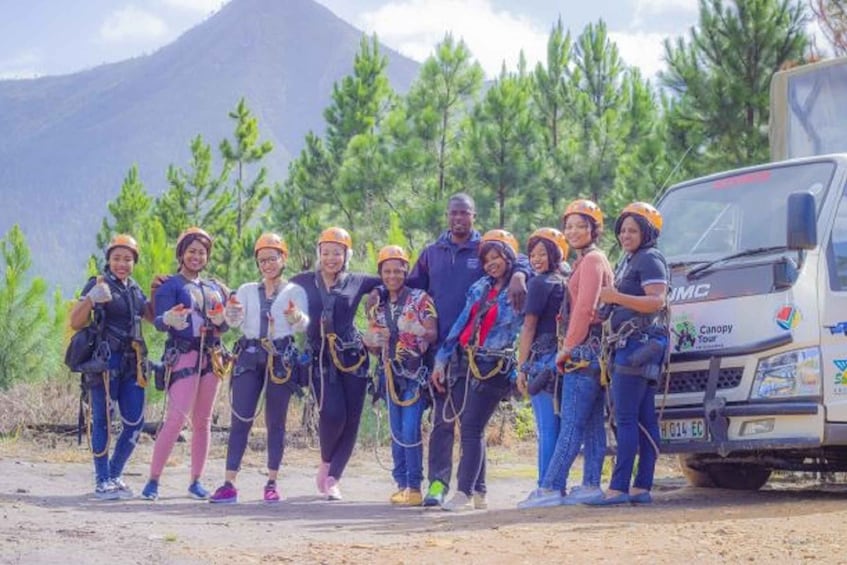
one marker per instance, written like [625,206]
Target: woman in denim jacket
[483,337]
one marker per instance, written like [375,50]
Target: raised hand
[177,317]
[234,312]
[100,292]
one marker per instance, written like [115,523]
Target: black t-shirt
[543,297]
[128,301]
[633,273]
[348,292]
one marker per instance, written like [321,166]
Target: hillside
[67,141]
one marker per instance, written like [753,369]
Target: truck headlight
[794,373]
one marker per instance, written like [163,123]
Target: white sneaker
[332,490]
[106,491]
[459,503]
[124,492]
[479,501]
[541,498]
[581,495]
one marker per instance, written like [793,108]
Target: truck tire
[738,476]
[696,477]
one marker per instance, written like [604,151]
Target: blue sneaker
[197,491]
[582,495]
[541,498]
[618,499]
[641,498]
[151,490]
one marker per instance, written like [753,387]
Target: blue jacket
[501,336]
[446,271]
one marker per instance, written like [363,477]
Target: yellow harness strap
[139,364]
[333,353]
[470,351]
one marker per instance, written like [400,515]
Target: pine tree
[721,76]
[26,341]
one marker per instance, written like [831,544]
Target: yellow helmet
[503,237]
[391,252]
[190,234]
[646,211]
[270,241]
[587,208]
[336,235]
[123,240]
[552,235]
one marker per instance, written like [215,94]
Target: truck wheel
[738,476]
[696,477]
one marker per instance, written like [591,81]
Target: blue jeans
[405,424]
[124,390]
[633,401]
[582,422]
[547,428]
[546,420]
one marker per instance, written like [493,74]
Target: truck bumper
[743,427]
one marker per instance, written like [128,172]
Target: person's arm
[301,304]
[518,282]
[81,312]
[419,277]
[654,300]
[530,324]
[164,299]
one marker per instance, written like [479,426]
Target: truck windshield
[736,213]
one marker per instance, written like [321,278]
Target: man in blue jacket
[446,269]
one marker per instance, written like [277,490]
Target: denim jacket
[501,336]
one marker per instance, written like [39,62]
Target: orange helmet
[336,235]
[646,211]
[552,235]
[270,241]
[392,252]
[190,234]
[123,240]
[587,208]
[503,237]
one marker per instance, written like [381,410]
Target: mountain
[66,142]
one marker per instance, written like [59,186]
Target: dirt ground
[49,516]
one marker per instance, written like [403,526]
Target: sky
[49,37]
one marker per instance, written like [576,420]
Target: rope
[332,338]
[105,376]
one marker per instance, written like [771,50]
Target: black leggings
[246,389]
[343,398]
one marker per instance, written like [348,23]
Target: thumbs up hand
[177,317]
[216,314]
[293,315]
[100,292]
[234,312]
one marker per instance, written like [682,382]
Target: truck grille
[695,381]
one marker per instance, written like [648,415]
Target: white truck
[758,372]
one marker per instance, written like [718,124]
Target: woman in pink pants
[191,309]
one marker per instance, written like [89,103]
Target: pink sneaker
[271,495]
[332,490]
[323,473]
[225,494]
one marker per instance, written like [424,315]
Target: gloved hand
[177,317]
[234,312]
[293,315]
[216,314]
[100,292]
[410,324]
[375,337]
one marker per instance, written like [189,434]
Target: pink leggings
[193,397]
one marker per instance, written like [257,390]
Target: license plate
[693,428]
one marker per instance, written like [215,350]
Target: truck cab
[757,379]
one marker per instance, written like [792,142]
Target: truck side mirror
[802,232]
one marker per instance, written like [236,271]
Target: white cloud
[644,7]
[23,64]
[641,49]
[197,6]
[414,27]
[132,24]
[651,13]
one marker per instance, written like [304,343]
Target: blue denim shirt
[503,333]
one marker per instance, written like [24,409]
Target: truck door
[833,288]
